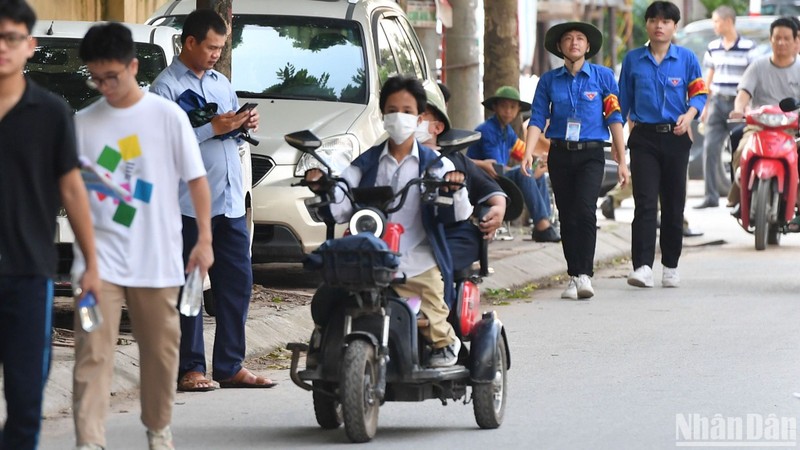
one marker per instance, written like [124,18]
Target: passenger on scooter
[767,81]
[425,259]
[463,238]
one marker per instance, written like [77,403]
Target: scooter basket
[357,262]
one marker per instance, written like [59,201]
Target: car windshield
[697,38]
[56,66]
[296,58]
[780,9]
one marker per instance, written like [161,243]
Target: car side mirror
[454,140]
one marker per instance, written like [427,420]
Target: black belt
[656,127]
[572,146]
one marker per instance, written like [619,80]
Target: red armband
[610,105]
[697,87]
[518,150]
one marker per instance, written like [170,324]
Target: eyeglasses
[13,40]
[110,81]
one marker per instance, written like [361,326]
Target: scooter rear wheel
[327,409]
[489,399]
[360,405]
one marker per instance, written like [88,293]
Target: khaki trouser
[735,194]
[429,287]
[156,329]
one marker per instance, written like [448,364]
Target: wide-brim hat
[593,35]
[506,93]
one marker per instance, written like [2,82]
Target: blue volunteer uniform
[654,95]
[580,109]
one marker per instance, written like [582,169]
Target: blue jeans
[26,310]
[231,284]
[534,191]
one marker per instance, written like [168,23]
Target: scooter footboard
[484,347]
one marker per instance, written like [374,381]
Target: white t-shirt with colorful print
[147,149]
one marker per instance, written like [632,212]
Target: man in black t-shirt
[38,164]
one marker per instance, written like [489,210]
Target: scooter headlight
[368,221]
[772,120]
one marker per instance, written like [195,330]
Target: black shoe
[688,232]
[607,207]
[547,235]
[707,204]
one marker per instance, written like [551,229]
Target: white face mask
[422,132]
[400,126]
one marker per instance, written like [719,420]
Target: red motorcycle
[767,174]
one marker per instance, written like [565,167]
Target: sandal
[194,381]
[246,379]
[794,225]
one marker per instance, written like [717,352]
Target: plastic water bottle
[89,313]
[192,294]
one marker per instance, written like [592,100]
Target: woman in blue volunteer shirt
[661,91]
[580,101]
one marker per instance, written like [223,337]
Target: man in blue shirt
[661,91]
[231,275]
[580,101]
[497,142]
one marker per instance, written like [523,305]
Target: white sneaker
[160,440]
[571,292]
[503,234]
[446,356]
[641,277]
[670,277]
[584,287]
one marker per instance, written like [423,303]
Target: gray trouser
[717,130]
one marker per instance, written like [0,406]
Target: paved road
[611,373]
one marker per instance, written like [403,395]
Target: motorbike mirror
[305,141]
[789,104]
[454,140]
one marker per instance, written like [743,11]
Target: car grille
[262,166]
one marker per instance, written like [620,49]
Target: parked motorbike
[369,350]
[767,175]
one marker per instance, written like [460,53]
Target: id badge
[573,130]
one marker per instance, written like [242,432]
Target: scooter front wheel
[360,404]
[489,399]
[762,197]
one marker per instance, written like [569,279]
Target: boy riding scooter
[425,259]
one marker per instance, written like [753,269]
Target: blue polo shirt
[221,157]
[590,96]
[495,143]
[659,93]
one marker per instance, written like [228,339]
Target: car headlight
[337,151]
[772,120]
[367,220]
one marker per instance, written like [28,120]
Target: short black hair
[400,83]
[18,11]
[664,10]
[199,21]
[788,22]
[445,91]
[110,41]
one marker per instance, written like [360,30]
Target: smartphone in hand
[246,107]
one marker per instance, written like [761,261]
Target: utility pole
[463,76]
[225,9]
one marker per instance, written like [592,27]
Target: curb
[515,263]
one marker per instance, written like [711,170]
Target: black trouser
[658,164]
[576,176]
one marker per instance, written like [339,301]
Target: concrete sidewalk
[515,263]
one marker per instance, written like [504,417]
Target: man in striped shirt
[726,60]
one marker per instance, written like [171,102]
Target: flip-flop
[192,381]
[238,381]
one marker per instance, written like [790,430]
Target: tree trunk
[225,9]
[463,76]
[500,48]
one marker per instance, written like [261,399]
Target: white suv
[56,66]
[316,65]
